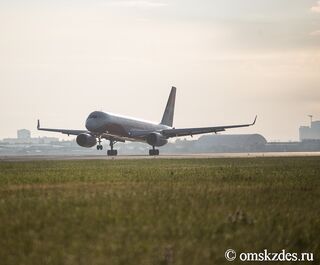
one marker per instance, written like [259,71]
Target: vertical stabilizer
[167,118]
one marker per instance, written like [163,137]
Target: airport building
[23,134]
[232,143]
[310,132]
[24,137]
[218,143]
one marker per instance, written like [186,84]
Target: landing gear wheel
[154,152]
[112,152]
[99,146]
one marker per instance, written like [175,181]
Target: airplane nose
[90,125]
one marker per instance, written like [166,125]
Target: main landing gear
[112,152]
[153,151]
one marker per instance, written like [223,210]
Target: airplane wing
[64,131]
[77,132]
[193,131]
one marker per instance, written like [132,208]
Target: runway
[163,156]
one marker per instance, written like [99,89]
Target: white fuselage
[99,122]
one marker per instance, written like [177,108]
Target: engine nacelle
[86,140]
[156,139]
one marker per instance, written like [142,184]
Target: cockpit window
[93,116]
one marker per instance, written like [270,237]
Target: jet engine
[156,139]
[86,140]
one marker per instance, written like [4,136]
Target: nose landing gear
[99,146]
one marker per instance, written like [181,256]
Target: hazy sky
[230,60]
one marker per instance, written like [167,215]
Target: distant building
[23,134]
[232,143]
[310,133]
[24,137]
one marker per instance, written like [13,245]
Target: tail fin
[167,118]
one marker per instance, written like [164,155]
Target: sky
[230,60]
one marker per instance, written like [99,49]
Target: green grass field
[157,211]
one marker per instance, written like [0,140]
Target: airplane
[115,128]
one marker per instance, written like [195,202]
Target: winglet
[38,125]
[254,122]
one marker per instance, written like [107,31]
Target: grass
[159,211]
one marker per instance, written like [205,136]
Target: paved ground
[164,156]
